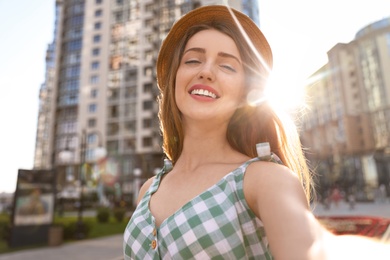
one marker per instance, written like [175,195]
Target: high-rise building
[100,87]
[347,128]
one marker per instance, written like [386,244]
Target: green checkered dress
[216,224]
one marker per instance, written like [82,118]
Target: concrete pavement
[106,248]
[110,248]
[374,209]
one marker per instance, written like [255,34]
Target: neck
[207,146]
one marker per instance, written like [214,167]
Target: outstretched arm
[276,196]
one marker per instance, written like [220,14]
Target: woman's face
[210,78]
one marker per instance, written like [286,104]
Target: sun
[284,91]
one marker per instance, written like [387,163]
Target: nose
[207,72]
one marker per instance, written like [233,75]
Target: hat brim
[208,14]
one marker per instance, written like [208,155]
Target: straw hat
[208,14]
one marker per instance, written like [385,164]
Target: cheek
[178,80]
[181,82]
[178,93]
[239,90]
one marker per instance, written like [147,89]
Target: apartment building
[100,89]
[346,129]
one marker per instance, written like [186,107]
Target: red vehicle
[375,227]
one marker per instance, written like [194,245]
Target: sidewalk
[106,248]
[374,209]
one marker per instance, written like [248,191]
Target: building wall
[349,113]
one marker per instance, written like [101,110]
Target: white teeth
[203,92]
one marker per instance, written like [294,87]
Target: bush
[119,214]
[5,230]
[71,229]
[103,215]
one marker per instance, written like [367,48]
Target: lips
[204,91]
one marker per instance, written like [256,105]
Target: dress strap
[264,153]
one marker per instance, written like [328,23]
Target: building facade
[347,126]
[100,90]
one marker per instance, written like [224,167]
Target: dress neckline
[167,168]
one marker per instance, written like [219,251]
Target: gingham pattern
[216,224]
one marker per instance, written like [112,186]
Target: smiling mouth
[204,93]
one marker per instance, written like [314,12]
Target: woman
[222,194]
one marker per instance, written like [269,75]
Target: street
[376,209]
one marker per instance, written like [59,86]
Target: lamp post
[66,156]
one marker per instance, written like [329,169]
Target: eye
[228,67]
[191,62]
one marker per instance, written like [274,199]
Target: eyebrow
[222,54]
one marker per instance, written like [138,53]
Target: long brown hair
[249,125]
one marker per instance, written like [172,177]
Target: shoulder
[267,184]
[144,188]
[263,171]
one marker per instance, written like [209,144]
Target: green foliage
[5,230]
[107,229]
[71,228]
[119,214]
[103,215]
[94,228]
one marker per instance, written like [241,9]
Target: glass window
[92,108]
[147,123]
[148,87]
[148,105]
[70,85]
[96,38]
[147,142]
[76,20]
[94,93]
[130,109]
[98,25]
[95,65]
[98,13]
[113,129]
[113,94]
[73,71]
[74,45]
[130,126]
[96,52]
[94,79]
[69,173]
[91,138]
[77,8]
[113,111]
[90,154]
[130,92]
[73,58]
[91,122]
[112,146]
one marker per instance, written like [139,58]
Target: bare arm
[276,196]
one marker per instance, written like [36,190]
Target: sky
[300,33]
